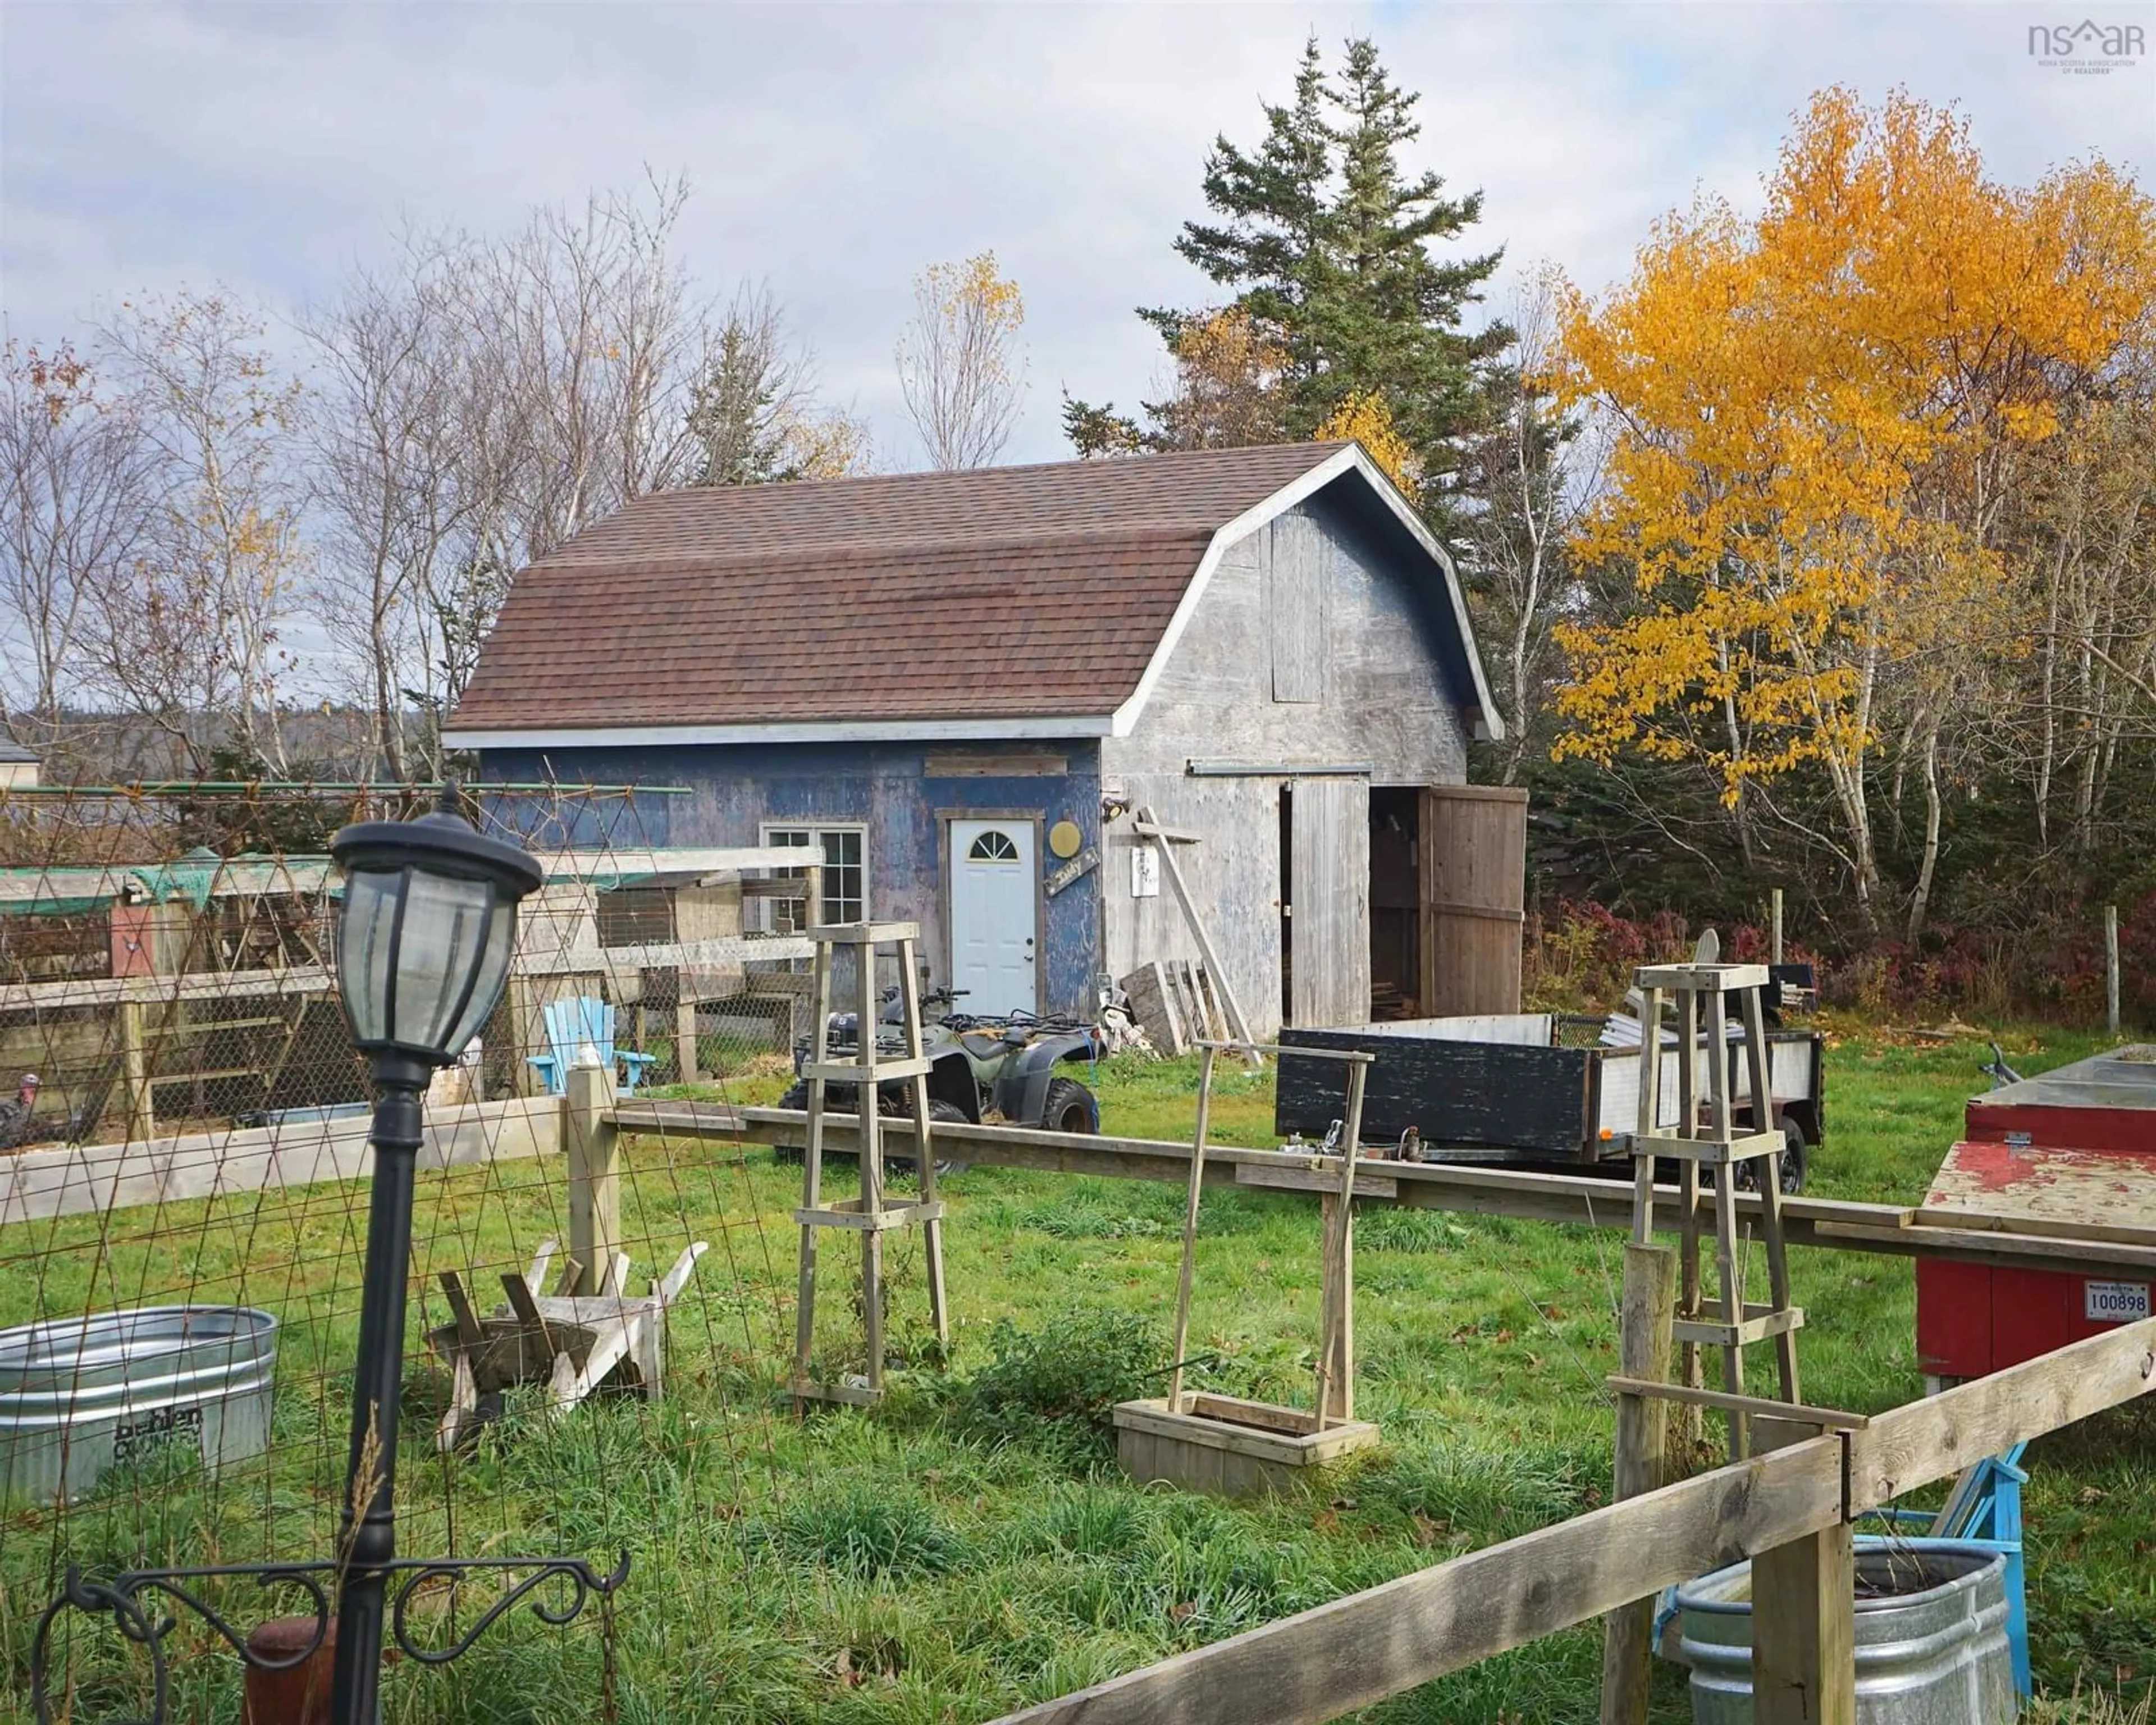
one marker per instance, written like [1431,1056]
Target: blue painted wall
[736,789]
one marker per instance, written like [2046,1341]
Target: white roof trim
[1351,459]
[608,737]
[1249,521]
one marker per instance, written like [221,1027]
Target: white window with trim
[846,874]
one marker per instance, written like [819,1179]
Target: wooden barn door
[1330,907]
[1475,868]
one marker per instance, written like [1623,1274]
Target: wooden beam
[719,951]
[233,879]
[988,764]
[156,990]
[1982,1222]
[1357,1650]
[139,1094]
[90,1179]
[685,859]
[1346,1056]
[1695,1395]
[1574,1200]
[240,879]
[1280,769]
[1180,1336]
[1936,1438]
[1360,1650]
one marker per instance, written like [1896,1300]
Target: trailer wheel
[1790,1167]
[1795,1161]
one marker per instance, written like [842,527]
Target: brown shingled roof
[1014,591]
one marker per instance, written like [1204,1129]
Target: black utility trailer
[1507,1089]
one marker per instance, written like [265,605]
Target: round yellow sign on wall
[1064,838]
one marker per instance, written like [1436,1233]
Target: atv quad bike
[983,1070]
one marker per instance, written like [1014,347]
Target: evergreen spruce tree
[1324,240]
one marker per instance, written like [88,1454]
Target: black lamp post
[423,946]
[423,949]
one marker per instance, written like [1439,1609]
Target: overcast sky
[834,151]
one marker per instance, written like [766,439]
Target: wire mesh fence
[182,1227]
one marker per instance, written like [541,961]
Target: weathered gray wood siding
[1311,644]
[1328,936]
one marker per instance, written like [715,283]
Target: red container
[2073,1150]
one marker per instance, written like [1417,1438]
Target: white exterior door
[994,929]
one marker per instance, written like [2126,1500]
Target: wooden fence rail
[1357,1650]
[1575,1199]
[81,1179]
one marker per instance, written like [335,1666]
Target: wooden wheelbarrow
[572,1341]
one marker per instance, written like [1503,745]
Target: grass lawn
[969,1547]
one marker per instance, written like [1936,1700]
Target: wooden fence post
[593,1142]
[1644,1349]
[1774,945]
[1804,1630]
[2111,968]
[1803,1614]
[685,1069]
[135,1075]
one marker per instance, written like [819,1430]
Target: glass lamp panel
[492,971]
[443,943]
[364,933]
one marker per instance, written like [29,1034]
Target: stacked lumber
[1175,1004]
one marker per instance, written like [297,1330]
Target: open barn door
[1473,840]
[1328,908]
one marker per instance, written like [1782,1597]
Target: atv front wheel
[891,1105]
[1069,1107]
[940,1113]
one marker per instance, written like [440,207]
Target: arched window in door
[993,846]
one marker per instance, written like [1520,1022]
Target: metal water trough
[78,1394]
[1935,1657]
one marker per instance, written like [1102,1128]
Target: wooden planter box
[1232,1448]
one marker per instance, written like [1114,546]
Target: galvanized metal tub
[1935,1657]
[78,1394]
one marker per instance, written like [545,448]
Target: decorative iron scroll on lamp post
[424,947]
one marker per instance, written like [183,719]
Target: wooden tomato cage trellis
[1223,1444]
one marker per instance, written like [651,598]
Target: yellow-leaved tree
[1364,417]
[959,367]
[1816,414]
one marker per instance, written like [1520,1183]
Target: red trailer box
[2073,1152]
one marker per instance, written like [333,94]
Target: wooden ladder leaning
[1701,994]
[869,1215]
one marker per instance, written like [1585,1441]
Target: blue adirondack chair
[571,1024]
[1984,1511]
